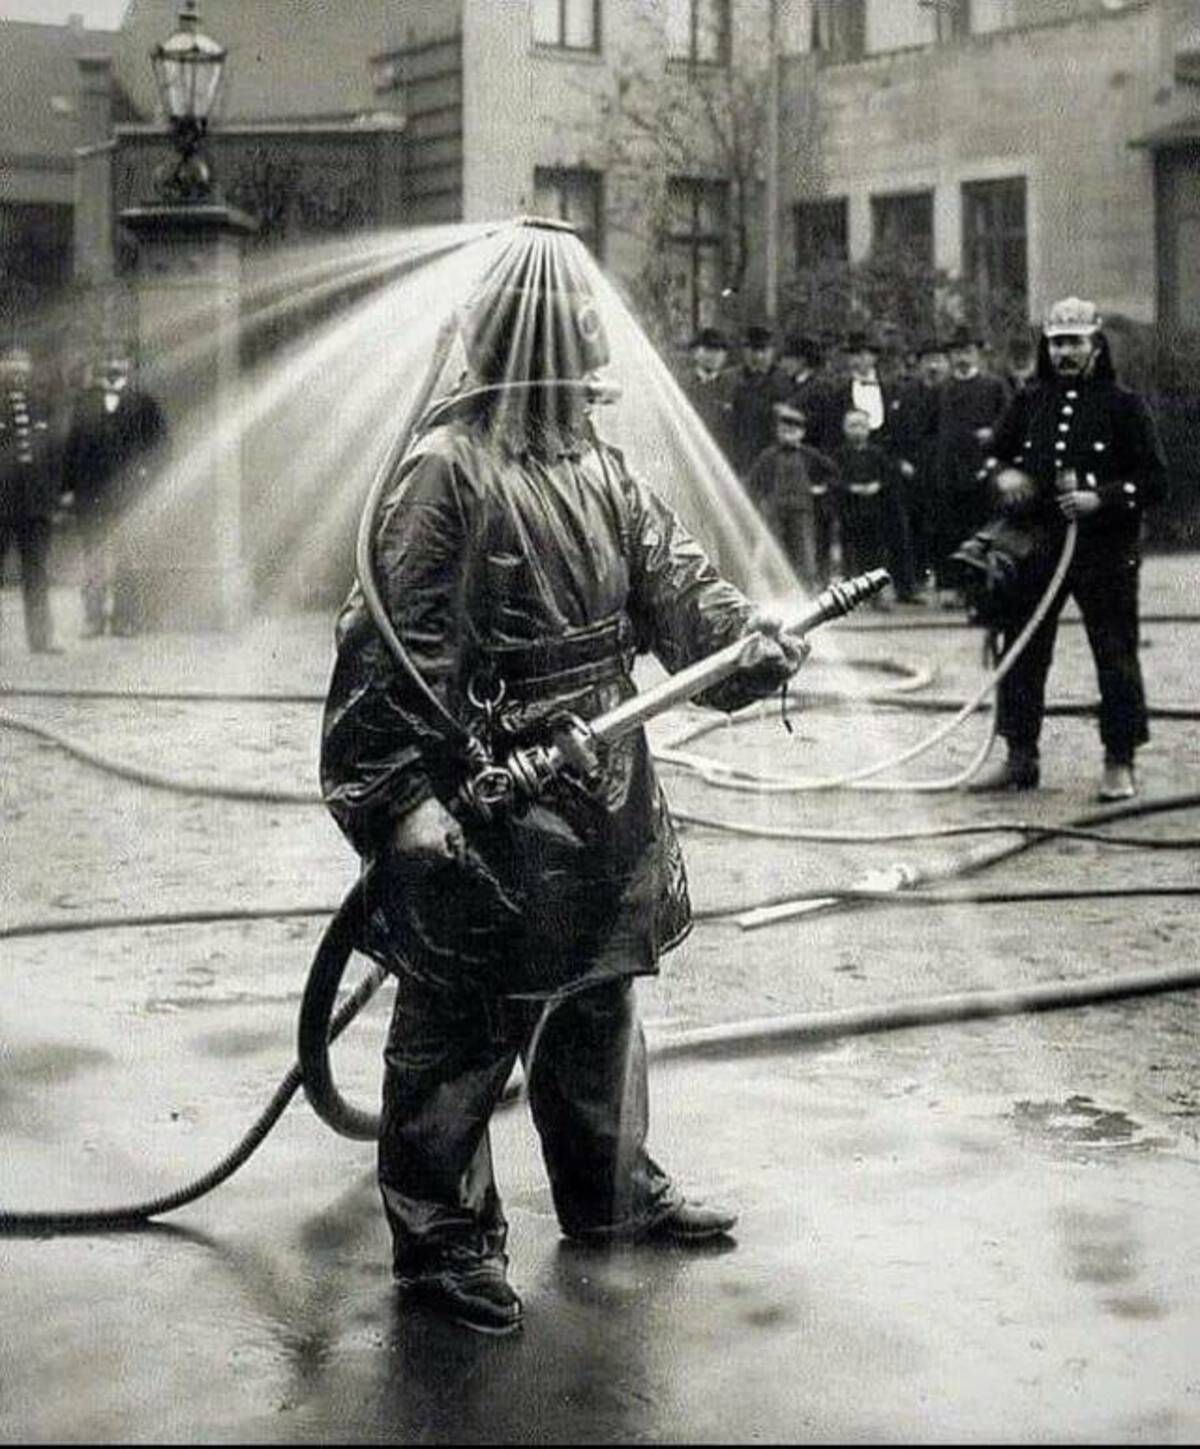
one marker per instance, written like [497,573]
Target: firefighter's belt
[576,659]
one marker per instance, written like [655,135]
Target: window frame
[562,177]
[882,200]
[838,44]
[701,244]
[562,29]
[691,59]
[992,241]
[810,206]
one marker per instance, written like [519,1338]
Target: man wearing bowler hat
[707,383]
[970,405]
[759,385]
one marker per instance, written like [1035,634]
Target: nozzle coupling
[526,774]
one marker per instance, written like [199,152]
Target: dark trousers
[446,1062]
[916,515]
[1104,583]
[114,590]
[32,538]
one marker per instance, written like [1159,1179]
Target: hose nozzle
[841,597]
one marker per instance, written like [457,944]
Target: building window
[822,232]
[696,237]
[839,29]
[567,24]
[995,241]
[699,31]
[951,18]
[903,223]
[576,196]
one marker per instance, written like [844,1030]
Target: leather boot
[1020,771]
[1117,782]
[470,1288]
[691,1222]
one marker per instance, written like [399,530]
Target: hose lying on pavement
[905,876]
[755,1035]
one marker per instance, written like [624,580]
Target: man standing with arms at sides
[29,491]
[113,450]
[708,383]
[792,486]
[914,446]
[970,406]
[758,385]
[1077,447]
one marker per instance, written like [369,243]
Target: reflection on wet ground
[1078,1124]
[907,1267]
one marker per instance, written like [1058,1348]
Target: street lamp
[187,70]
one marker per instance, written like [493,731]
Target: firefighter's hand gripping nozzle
[576,747]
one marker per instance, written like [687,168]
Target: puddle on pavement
[1080,1125]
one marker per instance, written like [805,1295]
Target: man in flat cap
[1077,447]
[792,485]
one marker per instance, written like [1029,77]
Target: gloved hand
[1076,503]
[774,655]
[428,834]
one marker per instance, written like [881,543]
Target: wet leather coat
[540,576]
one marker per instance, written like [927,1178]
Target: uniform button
[1068,410]
[1099,447]
[1064,427]
[1131,488]
[1060,446]
[1072,395]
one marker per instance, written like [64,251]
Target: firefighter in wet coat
[524,567]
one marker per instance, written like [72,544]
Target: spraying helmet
[533,317]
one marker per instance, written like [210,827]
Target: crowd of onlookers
[861,457]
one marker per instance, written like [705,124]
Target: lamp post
[772,148]
[188,290]
[188,69]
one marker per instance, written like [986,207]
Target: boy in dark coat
[869,507]
[790,484]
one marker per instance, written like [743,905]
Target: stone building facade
[1049,145]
